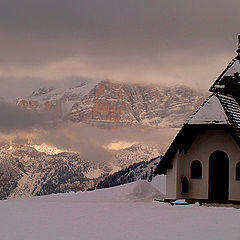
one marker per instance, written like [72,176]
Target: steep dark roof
[232,110]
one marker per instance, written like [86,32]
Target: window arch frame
[237,171]
[196,169]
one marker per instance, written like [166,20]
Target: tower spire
[238,49]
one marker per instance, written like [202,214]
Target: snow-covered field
[126,212]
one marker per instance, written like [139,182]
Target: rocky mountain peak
[112,104]
[122,104]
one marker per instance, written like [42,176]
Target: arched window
[196,169]
[238,171]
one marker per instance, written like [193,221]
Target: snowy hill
[108,104]
[24,171]
[125,212]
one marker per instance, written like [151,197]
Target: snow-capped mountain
[57,100]
[107,104]
[28,172]
[124,104]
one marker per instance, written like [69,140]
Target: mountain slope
[27,172]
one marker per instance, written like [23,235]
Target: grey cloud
[92,142]
[152,40]
[181,22]
[135,17]
[14,119]
[23,127]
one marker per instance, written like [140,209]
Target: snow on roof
[218,109]
[210,112]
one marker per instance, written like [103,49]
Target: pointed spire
[238,50]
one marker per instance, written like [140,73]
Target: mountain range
[107,104]
[24,171]
[27,171]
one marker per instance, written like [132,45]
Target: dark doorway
[218,177]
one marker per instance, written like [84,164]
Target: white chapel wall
[203,146]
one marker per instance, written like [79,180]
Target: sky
[58,42]
[154,41]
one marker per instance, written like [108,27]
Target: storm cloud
[167,42]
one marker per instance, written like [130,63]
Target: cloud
[131,40]
[14,119]
[91,142]
[23,126]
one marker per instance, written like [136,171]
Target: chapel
[203,161]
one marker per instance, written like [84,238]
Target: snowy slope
[120,213]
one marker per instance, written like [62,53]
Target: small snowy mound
[139,191]
[143,191]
